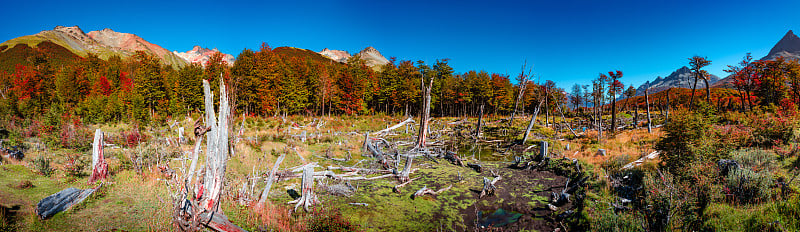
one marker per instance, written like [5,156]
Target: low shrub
[747,186]
[42,165]
[608,220]
[74,165]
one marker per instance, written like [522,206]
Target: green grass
[127,202]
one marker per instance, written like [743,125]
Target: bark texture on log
[61,201]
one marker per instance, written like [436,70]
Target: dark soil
[525,192]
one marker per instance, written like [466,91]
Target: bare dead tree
[480,122]
[523,81]
[196,205]
[647,103]
[425,112]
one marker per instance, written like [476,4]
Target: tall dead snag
[196,205]
[668,106]
[647,103]
[425,112]
[522,80]
[99,165]
[216,147]
[480,121]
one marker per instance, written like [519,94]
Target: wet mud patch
[520,202]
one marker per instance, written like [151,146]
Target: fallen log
[62,200]
[270,180]
[218,222]
[477,167]
[453,158]
[387,130]
[396,188]
[425,190]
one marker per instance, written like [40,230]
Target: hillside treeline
[265,82]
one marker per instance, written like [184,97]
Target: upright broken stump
[99,164]
[307,198]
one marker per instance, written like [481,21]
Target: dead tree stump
[99,164]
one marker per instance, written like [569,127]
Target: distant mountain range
[370,55]
[202,55]
[787,47]
[104,43]
[681,78]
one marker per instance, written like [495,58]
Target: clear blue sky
[566,41]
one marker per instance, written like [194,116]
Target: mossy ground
[140,201]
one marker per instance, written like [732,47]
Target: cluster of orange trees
[264,82]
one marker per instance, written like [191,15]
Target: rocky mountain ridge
[681,78]
[202,55]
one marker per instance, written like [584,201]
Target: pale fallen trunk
[425,190]
[396,188]
[387,130]
[270,180]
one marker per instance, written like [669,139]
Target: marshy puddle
[498,218]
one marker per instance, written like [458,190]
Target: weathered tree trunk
[519,98]
[613,112]
[647,103]
[694,87]
[308,198]
[99,165]
[480,122]
[530,125]
[425,112]
[216,147]
[708,91]
[668,106]
[563,120]
[600,123]
[271,179]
